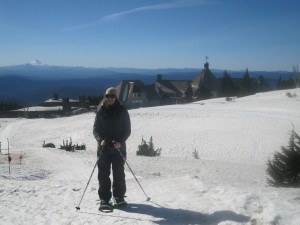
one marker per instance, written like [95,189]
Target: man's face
[110,99]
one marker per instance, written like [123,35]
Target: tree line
[247,86]
[6,106]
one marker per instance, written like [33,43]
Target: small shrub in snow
[284,170]
[68,146]
[230,99]
[48,145]
[80,147]
[288,94]
[148,149]
[195,154]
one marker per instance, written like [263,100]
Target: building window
[137,94]
[137,102]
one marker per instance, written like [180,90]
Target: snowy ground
[226,185]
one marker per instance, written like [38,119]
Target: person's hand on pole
[117,145]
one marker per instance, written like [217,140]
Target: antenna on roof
[206,57]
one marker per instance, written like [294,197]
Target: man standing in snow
[111,129]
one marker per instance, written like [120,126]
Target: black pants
[111,160]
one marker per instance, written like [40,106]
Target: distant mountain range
[34,82]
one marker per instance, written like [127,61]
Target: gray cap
[111,91]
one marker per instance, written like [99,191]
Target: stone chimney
[83,103]
[55,96]
[66,107]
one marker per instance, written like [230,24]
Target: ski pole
[78,207]
[148,198]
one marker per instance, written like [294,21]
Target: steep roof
[171,87]
[206,79]
[127,87]
[151,94]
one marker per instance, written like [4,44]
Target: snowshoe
[120,203]
[105,206]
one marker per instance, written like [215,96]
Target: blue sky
[234,34]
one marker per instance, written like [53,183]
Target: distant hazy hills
[32,83]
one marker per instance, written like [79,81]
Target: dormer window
[137,94]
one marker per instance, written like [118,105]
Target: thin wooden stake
[9,158]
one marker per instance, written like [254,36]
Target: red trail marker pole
[21,157]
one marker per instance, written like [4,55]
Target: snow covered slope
[225,186]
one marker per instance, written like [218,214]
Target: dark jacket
[112,123]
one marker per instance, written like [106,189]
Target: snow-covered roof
[59,100]
[40,109]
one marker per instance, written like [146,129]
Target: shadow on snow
[182,216]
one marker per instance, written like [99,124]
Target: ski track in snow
[225,186]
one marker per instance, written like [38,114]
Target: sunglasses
[110,96]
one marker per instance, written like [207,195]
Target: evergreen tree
[284,170]
[285,84]
[4,106]
[290,83]
[296,76]
[261,85]
[279,83]
[227,87]
[246,87]
[188,92]
[203,93]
